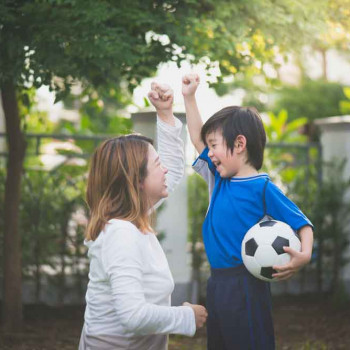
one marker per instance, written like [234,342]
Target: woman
[128,295]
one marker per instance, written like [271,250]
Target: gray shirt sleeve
[201,167]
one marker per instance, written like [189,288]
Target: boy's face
[226,162]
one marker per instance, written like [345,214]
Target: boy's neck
[246,170]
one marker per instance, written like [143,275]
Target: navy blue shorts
[239,311]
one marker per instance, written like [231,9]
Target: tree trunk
[12,289]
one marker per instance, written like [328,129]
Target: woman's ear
[240,143]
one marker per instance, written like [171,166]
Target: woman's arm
[170,144]
[171,151]
[124,257]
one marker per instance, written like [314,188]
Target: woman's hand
[161,96]
[200,314]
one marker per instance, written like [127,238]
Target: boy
[230,146]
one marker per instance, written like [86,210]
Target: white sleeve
[123,260]
[171,152]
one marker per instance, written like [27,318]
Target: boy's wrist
[307,256]
[190,98]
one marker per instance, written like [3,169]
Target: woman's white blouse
[130,286]
[130,283]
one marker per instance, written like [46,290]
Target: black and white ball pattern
[262,247]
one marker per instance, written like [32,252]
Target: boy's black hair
[233,121]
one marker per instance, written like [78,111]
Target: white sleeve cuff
[190,325]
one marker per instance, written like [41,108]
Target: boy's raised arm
[190,83]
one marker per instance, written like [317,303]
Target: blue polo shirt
[236,204]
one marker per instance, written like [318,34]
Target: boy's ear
[240,143]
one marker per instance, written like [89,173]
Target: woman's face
[155,182]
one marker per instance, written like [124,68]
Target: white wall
[335,141]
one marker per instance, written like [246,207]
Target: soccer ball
[262,247]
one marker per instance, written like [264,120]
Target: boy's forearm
[307,238]
[194,122]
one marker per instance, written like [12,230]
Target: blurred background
[75,72]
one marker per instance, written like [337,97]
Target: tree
[57,42]
[336,34]
[331,213]
[99,111]
[197,207]
[313,99]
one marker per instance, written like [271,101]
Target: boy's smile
[229,163]
[225,161]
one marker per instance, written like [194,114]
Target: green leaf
[344,107]
[347,92]
[68,126]
[146,102]
[85,122]
[295,125]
